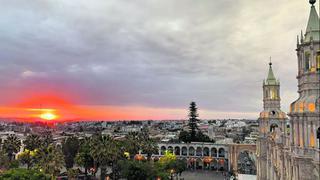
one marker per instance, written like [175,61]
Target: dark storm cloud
[158,53]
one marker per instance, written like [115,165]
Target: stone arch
[234,151]
[222,152]
[177,150]
[245,160]
[250,151]
[170,149]
[214,152]
[273,127]
[184,151]
[199,151]
[288,129]
[206,151]
[191,151]
[163,149]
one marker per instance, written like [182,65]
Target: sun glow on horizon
[52,109]
[48,116]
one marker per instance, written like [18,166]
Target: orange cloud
[70,113]
[51,107]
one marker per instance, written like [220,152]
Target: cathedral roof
[313,27]
[271,80]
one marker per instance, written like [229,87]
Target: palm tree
[132,143]
[147,144]
[70,148]
[149,147]
[4,160]
[50,160]
[104,151]
[84,158]
[47,139]
[11,146]
[32,142]
[140,141]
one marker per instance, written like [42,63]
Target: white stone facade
[291,150]
[197,152]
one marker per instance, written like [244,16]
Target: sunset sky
[134,59]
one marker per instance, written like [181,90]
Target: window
[288,129]
[307,61]
[177,150]
[184,151]
[273,127]
[191,151]
[163,149]
[199,151]
[272,94]
[213,152]
[206,151]
[221,152]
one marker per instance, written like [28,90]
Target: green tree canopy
[28,157]
[104,150]
[70,148]
[193,134]
[11,146]
[24,174]
[4,160]
[50,160]
[32,142]
[136,170]
[193,120]
[84,158]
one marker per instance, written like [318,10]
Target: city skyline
[113,60]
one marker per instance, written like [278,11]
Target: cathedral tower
[290,150]
[272,127]
[304,112]
[271,92]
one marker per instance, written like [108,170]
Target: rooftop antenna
[270,63]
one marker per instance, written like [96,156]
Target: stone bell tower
[271,92]
[305,111]
[271,117]
[272,125]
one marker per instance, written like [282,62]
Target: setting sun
[48,116]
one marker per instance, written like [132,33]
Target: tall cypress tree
[194,134]
[193,120]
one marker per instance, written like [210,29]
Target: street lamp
[139,157]
[207,160]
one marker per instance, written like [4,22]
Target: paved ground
[202,175]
